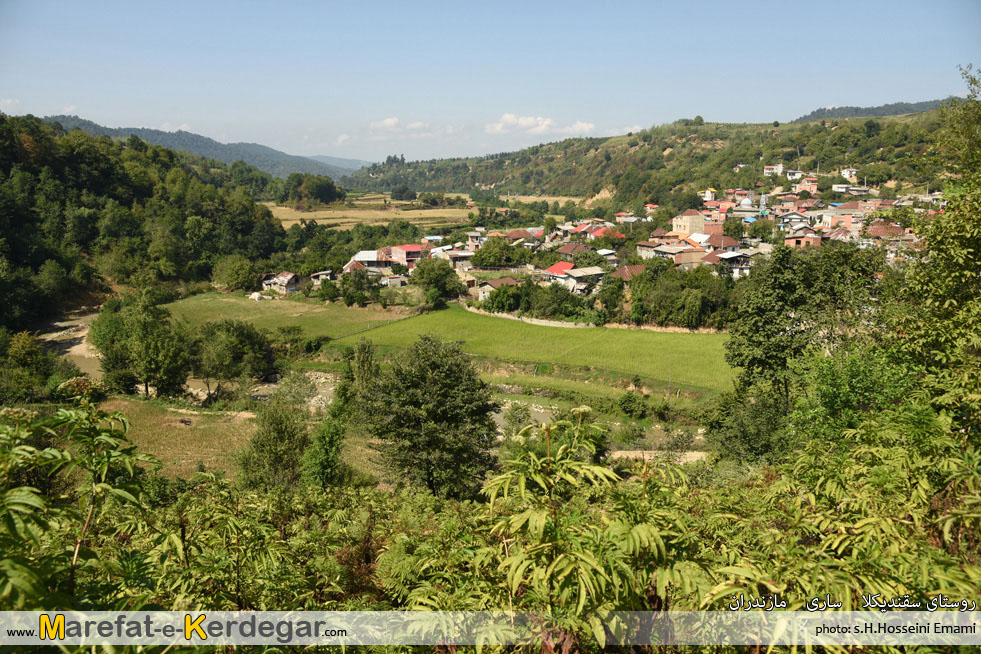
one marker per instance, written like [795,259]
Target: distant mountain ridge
[274,162]
[341,162]
[892,109]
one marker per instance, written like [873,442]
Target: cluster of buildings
[696,238]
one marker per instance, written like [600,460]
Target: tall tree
[433,414]
[438,280]
[771,328]
[274,457]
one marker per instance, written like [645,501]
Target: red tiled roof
[711,257]
[518,233]
[409,248]
[720,241]
[628,272]
[502,281]
[882,229]
[690,212]
[606,231]
[560,268]
[573,248]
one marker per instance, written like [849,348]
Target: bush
[633,404]
[328,291]
[749,425]
[120,381]
[321,458]
[273,459]
[235,272]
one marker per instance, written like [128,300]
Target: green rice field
[688,359]
[674,359]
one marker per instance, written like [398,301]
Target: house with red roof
[408,254]
[570,250]
[721,242]
[518,235]
[604,231]
[809,184]
[882,230]
[558,270]
[626,273]
[491,285]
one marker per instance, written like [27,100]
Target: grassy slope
[675,157]
[690,359]
[695,360]
[211,439]
[314,318]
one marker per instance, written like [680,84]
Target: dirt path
[68,336]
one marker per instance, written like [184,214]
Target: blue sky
[438,79]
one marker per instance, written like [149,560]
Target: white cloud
[170,127]
[8,105]
[630,128]
[416,125]
[69,109]
[509,123]
[388,123]
[578,127]
[342,138]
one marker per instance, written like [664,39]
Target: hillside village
[695,237]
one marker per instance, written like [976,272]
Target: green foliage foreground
[889,507]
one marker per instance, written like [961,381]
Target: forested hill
[891,109]
[274,162]
[76,209]
[665,164]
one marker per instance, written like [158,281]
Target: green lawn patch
[695,360]
[314,317]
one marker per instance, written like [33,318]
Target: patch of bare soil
[604,194]
[648,455]
[233,416]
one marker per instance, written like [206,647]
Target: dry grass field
[343,217]
[561,199]
[182,439]
[380,208]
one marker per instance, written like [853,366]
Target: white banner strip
[484,628]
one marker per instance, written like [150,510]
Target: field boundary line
[368,329]
[542,322]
